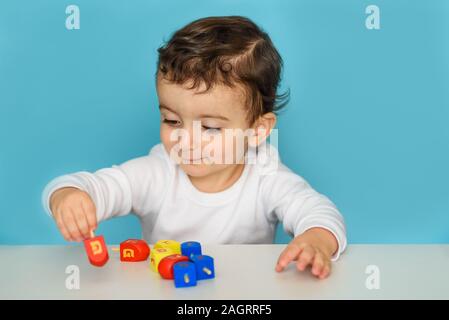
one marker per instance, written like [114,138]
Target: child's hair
[226,50]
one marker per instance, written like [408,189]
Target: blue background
[367,125]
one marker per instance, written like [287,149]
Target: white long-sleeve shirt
[160,193]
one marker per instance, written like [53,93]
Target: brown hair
[226,50]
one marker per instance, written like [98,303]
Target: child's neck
[218,181]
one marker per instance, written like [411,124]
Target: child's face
[193,126]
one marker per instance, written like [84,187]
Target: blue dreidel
[204,267]
[190,248]
[184,274]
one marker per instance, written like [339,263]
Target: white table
[242,272]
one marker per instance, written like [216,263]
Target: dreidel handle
[207,271]
[92,235]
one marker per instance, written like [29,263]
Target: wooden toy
[204,266]
[165,267]
[190,248]
[157,255]
[96,250]
[184,274]
[174,245]
[185,269]
[134,250]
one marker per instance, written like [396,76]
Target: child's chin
[196,170]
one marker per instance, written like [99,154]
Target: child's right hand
[74,213]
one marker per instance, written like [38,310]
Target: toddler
[214,177]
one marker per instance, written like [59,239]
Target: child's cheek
[165,134]
[224,148]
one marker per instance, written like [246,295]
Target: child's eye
[211,130]
[173,123]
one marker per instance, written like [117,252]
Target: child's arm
[312,218]
[81,200]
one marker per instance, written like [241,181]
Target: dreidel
[165,267]
[184,274]
[204,266]
[175,246]
[190,248]
[157,255]
[134,250]
[96,250]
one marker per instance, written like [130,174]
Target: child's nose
[191,139]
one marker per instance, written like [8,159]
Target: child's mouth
[192,160]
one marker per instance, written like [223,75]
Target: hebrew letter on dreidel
[96,251]
[96,247]
[128,253]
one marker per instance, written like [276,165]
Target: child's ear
[262,128]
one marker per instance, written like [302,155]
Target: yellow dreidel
[172,244]
[156,255]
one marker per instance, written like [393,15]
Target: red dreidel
[96,250]
[165,267]
[134,250]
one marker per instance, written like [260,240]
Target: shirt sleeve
[137,185]
[291,200]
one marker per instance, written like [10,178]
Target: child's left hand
[314,247]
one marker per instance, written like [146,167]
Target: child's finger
[64,232]
[305,258]
[65,226]
[81,222]
[326,270]
[62,228]
[71,226]
[289,254]
[318,264]
[91,215]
